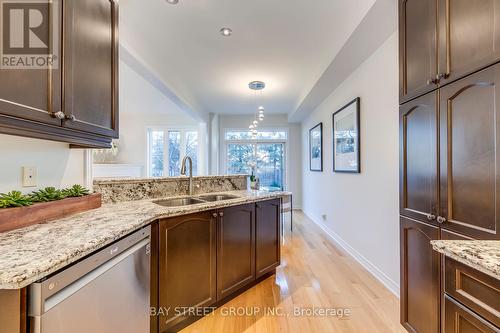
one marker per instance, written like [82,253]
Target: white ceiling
[286,43]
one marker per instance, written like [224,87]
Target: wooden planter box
[20,217]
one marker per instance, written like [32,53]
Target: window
[266,153]
[261,135]
[167,148]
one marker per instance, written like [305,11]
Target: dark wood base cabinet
[420,290]
[459,319]
[187,265]
[235,249]
[471,299]
[207,258]
[268,249]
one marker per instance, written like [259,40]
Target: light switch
[29,176]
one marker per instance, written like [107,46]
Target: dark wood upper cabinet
[187,265]
[91,66]
[420,269]
[33,104]
[267,234]
[235,249]
[31,94]
[418,50]
[469,135]
[418,158]
[469,37]
[444,40]
[77,100]
[459,319]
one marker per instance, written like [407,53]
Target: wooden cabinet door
[469,37]
[32,94]
[267,234]
[469,137]
[235,249]
[477,291]
[187,264]
[459,319]
[418,158]
[420,269]
[90,61]
[418,53]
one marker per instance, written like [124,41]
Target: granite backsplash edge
[118,190]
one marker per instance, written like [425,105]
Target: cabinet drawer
[459,319]
[476,290]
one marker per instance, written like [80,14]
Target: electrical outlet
[29,176]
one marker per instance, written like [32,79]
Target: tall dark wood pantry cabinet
[449,134]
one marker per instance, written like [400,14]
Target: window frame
[166,129]
[255,142]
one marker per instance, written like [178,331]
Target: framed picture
[346,138]
[316,148]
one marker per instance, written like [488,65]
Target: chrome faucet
[183,172]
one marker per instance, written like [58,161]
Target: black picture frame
[316,128]
[336,167]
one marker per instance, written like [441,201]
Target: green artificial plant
[47,194]
[75,191]
[14,199]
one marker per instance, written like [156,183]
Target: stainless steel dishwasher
[107,292]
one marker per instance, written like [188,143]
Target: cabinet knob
[221,214]
[59,115]
[431,217]
[442,76]
[214,214]
[71,118]
[432,81]
[441,219]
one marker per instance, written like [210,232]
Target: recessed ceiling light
[256,85]
[173,2]
[226,32]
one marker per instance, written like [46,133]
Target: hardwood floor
[314,274]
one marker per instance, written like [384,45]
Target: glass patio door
[268,158]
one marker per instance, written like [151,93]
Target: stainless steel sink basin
[178,202]
[217,197]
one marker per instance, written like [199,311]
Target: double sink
[179,202]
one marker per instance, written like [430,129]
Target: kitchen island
[470,285]
[230,241]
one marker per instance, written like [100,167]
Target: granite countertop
[478,254]
[120,180]
[31,253]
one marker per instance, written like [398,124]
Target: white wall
[293,176]
[141,106]
[214,144]
[57,165]
[361,210]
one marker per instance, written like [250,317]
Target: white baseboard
[368,265]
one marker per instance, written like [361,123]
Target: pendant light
[257,87]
